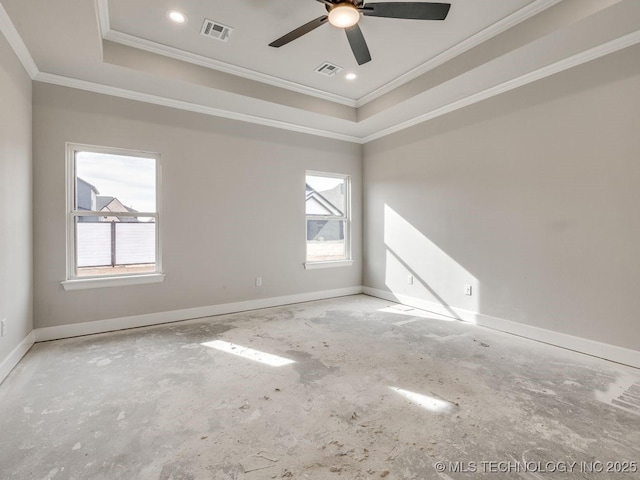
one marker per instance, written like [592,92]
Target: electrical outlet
[410,279]
[258,281]
[467,290]
[2,327]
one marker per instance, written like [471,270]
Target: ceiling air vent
[328,69]
[216,30]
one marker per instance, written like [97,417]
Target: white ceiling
[420,69]
[397,46]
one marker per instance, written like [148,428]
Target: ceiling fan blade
[358,44]
[407,10]
[300,31]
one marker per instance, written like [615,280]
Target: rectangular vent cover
[216,30]
[328,69]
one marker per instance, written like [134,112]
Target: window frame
[75,282]
[347,261]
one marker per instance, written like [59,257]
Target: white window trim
[72,281]
[347,261]
[113,281]
[327,264]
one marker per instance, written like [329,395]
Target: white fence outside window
[115,243]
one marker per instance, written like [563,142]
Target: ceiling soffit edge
[201,60]
[511,20]
[494,30]
[17,44]
[533,76]
[93,87]
[169,68]
[19,47]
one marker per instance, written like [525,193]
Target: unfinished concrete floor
[155,403]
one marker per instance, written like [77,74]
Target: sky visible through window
[321,184]
[132,180]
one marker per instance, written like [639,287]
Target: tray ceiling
[420,69]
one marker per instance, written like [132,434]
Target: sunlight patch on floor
[623,393]
[427,402]
[414,313]
[249,353]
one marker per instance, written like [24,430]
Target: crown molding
[519,16]
[201,60]
[17,44]
[497,28]
[191,107]
[557,67]
[8,29]
[102,12]
[193,58]
[573,61]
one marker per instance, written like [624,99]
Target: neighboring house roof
[88,185]
[111,204]
[318,204]
[106,204]
[335,196]
[85,195]
[102,201]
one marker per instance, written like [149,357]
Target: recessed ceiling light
[350,76]
[176,16]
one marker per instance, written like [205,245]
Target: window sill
[85,283]
[337,263]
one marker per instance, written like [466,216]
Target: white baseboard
[122,323]
[583,345]
[16,355]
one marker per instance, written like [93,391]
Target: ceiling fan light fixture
[344,15]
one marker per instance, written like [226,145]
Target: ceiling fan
[346,14]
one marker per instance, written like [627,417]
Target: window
[327,203]
[112,220]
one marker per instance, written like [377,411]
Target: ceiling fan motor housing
[332,4]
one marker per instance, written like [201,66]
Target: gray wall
[532,197]
[233,205]
[15,200]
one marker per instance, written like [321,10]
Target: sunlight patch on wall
[249,353]
[418,268]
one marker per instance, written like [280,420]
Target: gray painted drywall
[15,201]
[532,197]
[224,182]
